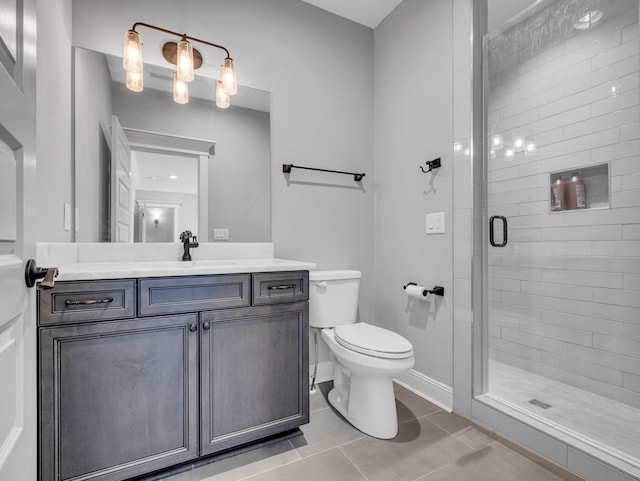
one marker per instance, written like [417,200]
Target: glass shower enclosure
[561,327]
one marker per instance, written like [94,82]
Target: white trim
[434,391]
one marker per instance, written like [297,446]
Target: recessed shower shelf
[579,189]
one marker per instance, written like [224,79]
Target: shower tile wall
[564,298]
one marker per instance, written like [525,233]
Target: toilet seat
[373,341]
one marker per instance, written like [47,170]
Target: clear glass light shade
[180,90]
[132,54]
[184,61]
[229,78]
[223,101]
[134,82]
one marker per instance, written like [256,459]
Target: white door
[121,195]
[17,241]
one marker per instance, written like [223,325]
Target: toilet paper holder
[437,290]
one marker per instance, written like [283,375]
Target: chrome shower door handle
[504,231]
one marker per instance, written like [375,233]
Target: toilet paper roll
[417,292]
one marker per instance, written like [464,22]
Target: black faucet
[186,237]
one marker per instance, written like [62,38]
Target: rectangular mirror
[147,168]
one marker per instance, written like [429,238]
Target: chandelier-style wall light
[186,59]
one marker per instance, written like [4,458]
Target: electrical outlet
[220,234]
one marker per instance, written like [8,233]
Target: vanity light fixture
[223,101]
[181,54]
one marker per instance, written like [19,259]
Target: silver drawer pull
[88,302]
[284,286]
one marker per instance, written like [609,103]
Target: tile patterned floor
[605,421]
[432,445]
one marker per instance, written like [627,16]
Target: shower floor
[601,421]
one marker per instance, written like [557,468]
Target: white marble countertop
[126,261]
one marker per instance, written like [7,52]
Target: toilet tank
[333,297]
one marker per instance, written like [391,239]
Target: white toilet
[365,357]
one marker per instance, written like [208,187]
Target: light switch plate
[66,220]
[220,234]
[435,223]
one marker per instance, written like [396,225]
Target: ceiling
[366,12]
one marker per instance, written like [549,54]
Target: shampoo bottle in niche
[575,192]
[559,198]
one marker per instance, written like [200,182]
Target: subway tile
[610,360]
[595,140]
[597,78]
[519,183]
[504,284]
[592,233]
[616,183]
[515,197]
[559,120]
[606,311]
[564,291]
[631,381]
[565,248]
[625,215]
[519,273]
[603,104]
[631,182]
[524,235]
[607,56]
[627,198]
[514,311]
[618,249]
[630,32]
[504,357]
[534,341]
[618,297]
[515,349]
[630,132]
[583,368]
[632,282]
[628,165]
[573,336]
[617,345]
[593,324]
[565,162]
[614,119]
[582,278]
[582,382]
[534,208]
[629,82]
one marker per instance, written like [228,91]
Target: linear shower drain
[540,404]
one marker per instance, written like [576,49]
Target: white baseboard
[434,391]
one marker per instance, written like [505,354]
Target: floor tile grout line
[352,463]
[300,458]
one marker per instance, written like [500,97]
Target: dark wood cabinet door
[118,398]
[254,379]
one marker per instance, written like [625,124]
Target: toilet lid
[373,341]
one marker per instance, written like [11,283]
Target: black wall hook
[432,164]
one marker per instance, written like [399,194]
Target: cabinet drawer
[70,302]
[277,287]
[169,295]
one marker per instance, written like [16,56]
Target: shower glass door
[562,165]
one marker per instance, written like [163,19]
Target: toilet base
[368,403]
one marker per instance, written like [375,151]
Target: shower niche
[582,188]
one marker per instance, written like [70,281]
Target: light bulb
[180,90]
[518,144]
[229,78]
[132,55]
[223,101]
[530,148]
[496,142]
[134,82]
[184,61]
[508,154]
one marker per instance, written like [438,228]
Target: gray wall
[413,124]
[53,118]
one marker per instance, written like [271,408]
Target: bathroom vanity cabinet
[137,375]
